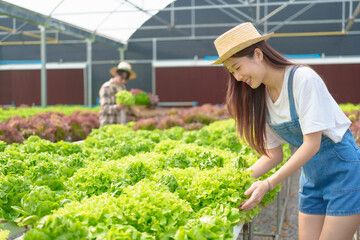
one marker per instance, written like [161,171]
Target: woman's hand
[257,190]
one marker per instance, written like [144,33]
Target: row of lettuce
[126,184]
[53,126]
[71,123]
[25,112]
[74,125]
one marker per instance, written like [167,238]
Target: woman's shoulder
[106,84]
[305,75]
[306,71]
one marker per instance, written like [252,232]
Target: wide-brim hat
[237,39]
[126,67]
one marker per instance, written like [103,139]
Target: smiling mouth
[248,81]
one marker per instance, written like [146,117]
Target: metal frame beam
[293,17]
[277,10]
[231,15]
[13,31]
[159,19]
[297,34]
[231,6]
[231,24]
[352,18]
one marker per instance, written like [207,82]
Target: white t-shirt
[316,108]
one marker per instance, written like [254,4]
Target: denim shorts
[330,181]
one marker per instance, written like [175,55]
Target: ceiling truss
[237,12]
[264,18]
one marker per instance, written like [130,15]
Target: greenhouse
[211,119]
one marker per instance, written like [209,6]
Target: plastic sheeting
[113,19]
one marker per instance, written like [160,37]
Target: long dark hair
[248,106]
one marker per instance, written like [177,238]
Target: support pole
[193,18]
[122,55]
[89,71]
[154,51]
[43,67]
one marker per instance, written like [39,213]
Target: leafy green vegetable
[142,99]
[125,97]
[36,204]
[148,208]
[12,189]
[126,232]
[208,227]
[2,146]
[58,227]
[169,181]
[113,176]
[4,234]
[153,209]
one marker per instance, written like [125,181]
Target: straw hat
[126,67]
[237,39]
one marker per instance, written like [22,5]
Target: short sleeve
[313,101]
[272,139]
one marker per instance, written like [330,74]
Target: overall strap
[293,113]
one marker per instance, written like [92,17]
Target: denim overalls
[329,181]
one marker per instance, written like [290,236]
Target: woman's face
[247,69]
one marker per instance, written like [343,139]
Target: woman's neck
[274,82]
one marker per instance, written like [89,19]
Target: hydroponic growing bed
[121,183]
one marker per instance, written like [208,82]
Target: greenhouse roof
[115,20]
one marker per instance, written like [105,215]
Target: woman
[275,101]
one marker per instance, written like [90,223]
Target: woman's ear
[258,54]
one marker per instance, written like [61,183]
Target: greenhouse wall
[64,86]
[157,41]
[342,80]
[191,84]
[207,84]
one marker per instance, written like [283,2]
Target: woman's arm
[266,163]
[306,151]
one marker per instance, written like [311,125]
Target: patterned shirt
[109,114]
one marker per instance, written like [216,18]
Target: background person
[110,112]
[275,101]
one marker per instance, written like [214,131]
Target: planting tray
[237,230]
[16,232]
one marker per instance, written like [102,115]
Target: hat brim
[133,74]
[240,47]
